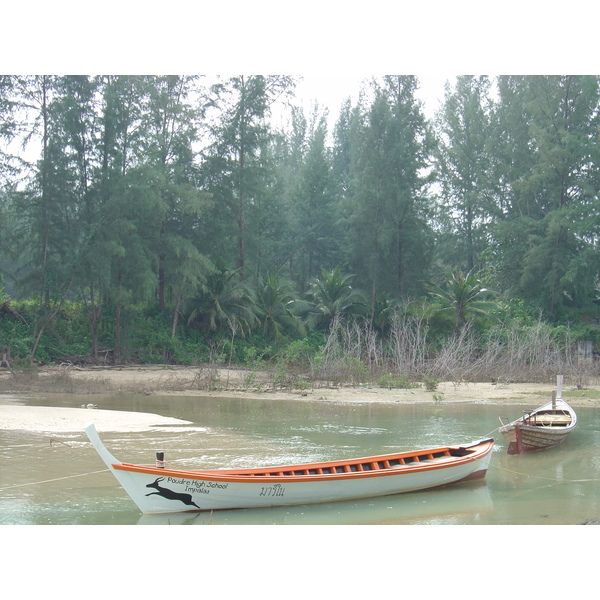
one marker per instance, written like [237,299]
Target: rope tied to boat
[555,479]
[16,485]
[487,435]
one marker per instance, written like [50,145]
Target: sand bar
[59,419]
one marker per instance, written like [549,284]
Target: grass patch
[591,394]
[396,381]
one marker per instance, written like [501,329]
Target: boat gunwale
[551,429]
[478,450]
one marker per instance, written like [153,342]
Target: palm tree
[332,295]
[225,301]
[462,296]
[384,309]
[278,307]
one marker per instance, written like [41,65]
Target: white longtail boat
[157,489]
[544,427]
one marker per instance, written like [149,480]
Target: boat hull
[546,427]
[532,438]
[160,490]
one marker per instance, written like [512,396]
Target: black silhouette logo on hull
[170,494]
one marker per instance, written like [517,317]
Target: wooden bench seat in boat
[550,420]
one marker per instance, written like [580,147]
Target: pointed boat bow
[100,448]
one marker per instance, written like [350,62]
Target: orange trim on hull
[316,471]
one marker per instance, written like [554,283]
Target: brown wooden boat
[544,427]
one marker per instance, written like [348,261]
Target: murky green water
[558,486]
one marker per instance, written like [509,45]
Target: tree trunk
[400,259]
[95,312]
[117,357]
[44,292]
[176,309]
[242,219]
[48,319]
[161,273]
[241,165]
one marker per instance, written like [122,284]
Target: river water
[49,478]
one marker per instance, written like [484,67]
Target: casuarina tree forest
[195,220]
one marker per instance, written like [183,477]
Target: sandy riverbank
[179,381]
[61,419]
[159,380]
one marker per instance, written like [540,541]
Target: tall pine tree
[388,237]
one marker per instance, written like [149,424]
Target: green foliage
[546,163]
[16,335]
[390,381]
[383,312]
[166,221]
[353,370]
[463,297]
[431,384]
[384,214]
[279,307]
[332,295]
[226,302]
[313,202]
[150,341]
[301,353]
[463,157]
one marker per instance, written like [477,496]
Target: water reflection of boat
[544,427]
[453,504]
[156,489]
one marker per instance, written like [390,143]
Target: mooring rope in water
[50,480]
[537,476]
[60,442]
[544,478]
[487,435]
